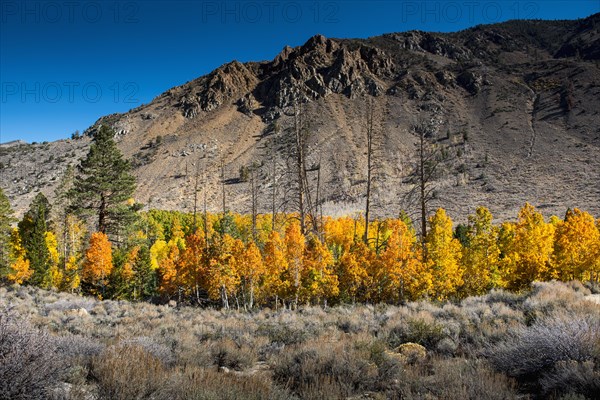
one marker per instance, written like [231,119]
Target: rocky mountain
[514,107]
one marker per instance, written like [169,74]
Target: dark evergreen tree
[32,229]
[104,184]
[145,280]
[6,219]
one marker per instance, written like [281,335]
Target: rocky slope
[515,107]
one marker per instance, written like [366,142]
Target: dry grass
[543,343]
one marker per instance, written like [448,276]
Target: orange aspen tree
[443,255]
[98,264]
[194,263]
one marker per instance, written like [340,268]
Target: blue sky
[63,64]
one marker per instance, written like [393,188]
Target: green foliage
[6,219]
[32,230]
[461,233]
[104,184]
[244,173]
[226,225]
[145,280]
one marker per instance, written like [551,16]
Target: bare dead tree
[318,203]
[196,188]
[426,168]
[370,132]
[254,197]
[299,135]
[223,184]
[273,151]
[299,150]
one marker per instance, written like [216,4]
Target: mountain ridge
[506,99]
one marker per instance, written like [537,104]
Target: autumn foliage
[98,264]
[220,260]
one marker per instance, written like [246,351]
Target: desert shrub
[417,330]
[593,287]
[538,355]
[324,372]
[548,297]
[159,351]
[78,351]
[455,378]
[283,333]
[229,354]
[348,325]
[128,372]
[208,384]
[29,366]
[511,299]
[572,377]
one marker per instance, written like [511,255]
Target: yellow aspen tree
[508,255]
[526,252]
[251,269]
[576,246]
[158,252]
[295,244]
[169,268]
[223,276]
[71,245]
[275,265]
[98,265]
[71,277]
[352,270]
[481,255]
[55,276]
[595,274]
[19,270]
[319,279]
[408,279]
[339,234]
[443,255]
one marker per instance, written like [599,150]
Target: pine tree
[104,184]
[6,219]
[145,280]
[32,230]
